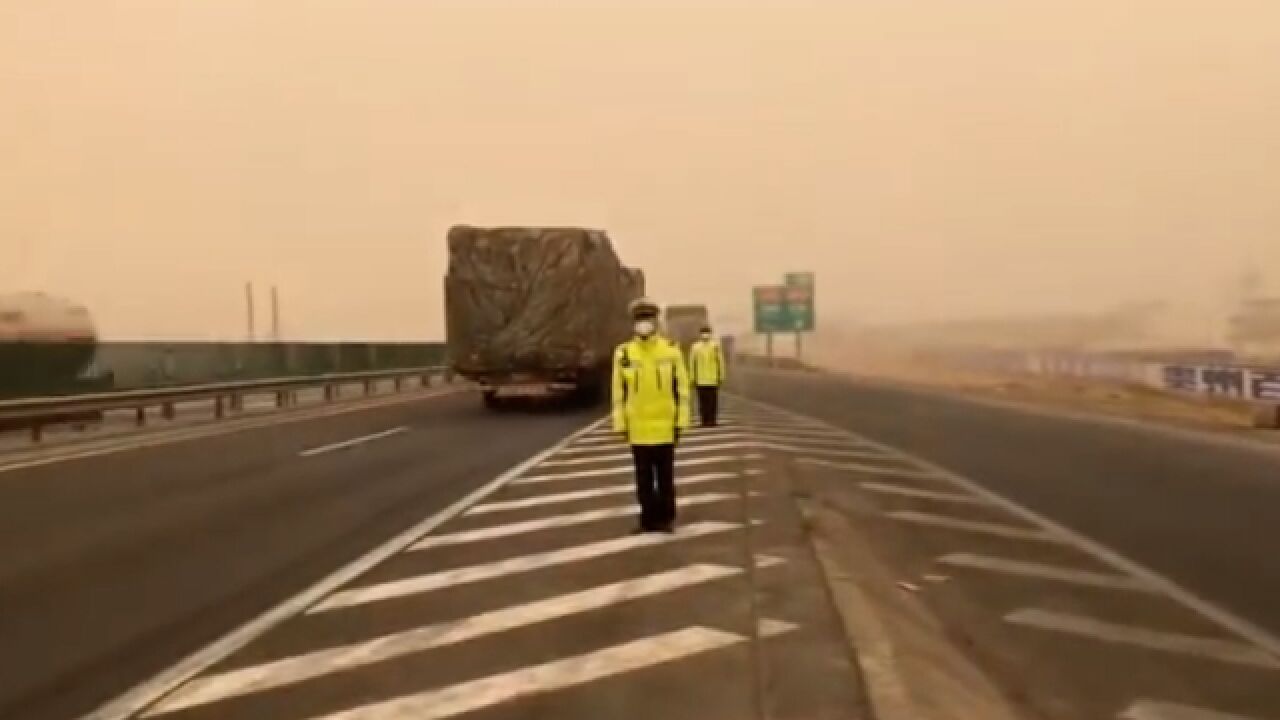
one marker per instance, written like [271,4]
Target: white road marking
[911,492]
[1206,648]
[623,456]
[629,469]
[556,498]
[768,627]
[144,695]
[1154,710]
[511,566]
[556,521]
[296,669]
[486,692]
[353,441]
[1226,619]
[871,469]
[1045,572]
[987,528]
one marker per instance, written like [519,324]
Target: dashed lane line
[431,582]
[299,668]
[353,442]
[1045,572]
[1205,648]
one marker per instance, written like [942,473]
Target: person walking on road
[651,408]
[706,361]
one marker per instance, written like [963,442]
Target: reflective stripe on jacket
[707,363]
[650,391]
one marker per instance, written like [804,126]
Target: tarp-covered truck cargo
[535,311]
[684,323]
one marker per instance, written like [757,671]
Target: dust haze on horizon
[930,159]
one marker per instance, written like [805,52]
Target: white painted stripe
[683,449]
[584,449]
[922,494]
[511,566]
[299,668]
[556,675]
[768,627]
[1228,651]
[1153,710]
[987,528]
[871,469]
[353,441]
[629,469]
[556,498]
[144,695]
[556,521]
[1045,572]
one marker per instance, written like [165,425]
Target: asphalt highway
[1199,510]
[114,566]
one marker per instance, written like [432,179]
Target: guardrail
[37,414]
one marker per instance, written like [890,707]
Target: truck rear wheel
[492,401]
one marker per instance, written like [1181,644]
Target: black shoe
[669,529]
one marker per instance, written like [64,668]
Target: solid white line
[556,498]
[486,692]
[870,469]
[1228,651]
[554,522]
[353,441]
[922,494]
[139,698]
[1045,572]
[298,668]
[987,528]
[214,428]
[510,566]
[628,469]
[1224,618]
[1154,710]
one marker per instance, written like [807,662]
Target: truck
[684,323]
[536,312]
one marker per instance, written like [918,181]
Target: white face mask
[706,336]
[645,328]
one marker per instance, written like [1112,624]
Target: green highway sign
[799,279]
[799,299]
[771,311]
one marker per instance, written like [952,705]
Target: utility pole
[248,301]
[275,314]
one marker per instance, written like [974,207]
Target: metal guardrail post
[37,432]
[140,415]
[167,410]
[398,382]
[368,387]
[425,380]
[219,408]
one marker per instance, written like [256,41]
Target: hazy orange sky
[928,158]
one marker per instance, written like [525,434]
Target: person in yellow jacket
[706,363]
[651,408]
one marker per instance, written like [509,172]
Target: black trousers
[655,484]
[708,404]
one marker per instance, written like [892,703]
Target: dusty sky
[928,158]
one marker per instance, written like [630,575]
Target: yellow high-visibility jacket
[650,391]
[706,362]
